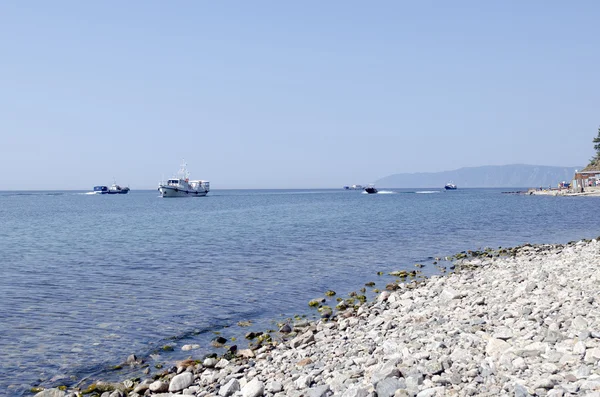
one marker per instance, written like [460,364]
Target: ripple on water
[89,280]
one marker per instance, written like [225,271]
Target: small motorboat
[371,189]
[450,186]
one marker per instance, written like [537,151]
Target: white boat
[353,187]
[181,185]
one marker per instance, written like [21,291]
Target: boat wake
[428,192]
[10,194]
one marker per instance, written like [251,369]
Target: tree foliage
[597,142]
[597,147]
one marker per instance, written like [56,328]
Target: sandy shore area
[592,191]
[515,322]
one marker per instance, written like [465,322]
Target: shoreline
[517,321]
[590,191]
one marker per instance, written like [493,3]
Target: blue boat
[101,189]
[450,186]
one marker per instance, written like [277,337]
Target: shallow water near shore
[88,280]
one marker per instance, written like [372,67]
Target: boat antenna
[183,170]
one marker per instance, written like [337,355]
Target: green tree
[597,147]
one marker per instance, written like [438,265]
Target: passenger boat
[101,189]
[353,187]
[181,186]
[450,186]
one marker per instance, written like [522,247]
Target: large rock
[319,391]
[532,350]
[159,386]
[247,353]
[387,387]
[254,388]
[579,324]
[386,370]
[181,381]
[303,381]
[356,391]
[302,339]
[275,387]
[432,392]
[496,347]
[229,388]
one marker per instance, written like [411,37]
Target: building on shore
[589,176]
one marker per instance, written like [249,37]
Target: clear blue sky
[282,94]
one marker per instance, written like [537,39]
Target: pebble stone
[516,322]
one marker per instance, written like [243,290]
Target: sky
[290,94]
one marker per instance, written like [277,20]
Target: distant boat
[450,186]
[113,189]
[116,189]
[181,186]
[353,187]
[371,189]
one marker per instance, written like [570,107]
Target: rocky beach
[523,321]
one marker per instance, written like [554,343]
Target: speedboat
[181,185]
[371,189]
[450,186]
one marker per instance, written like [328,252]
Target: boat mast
[183,170]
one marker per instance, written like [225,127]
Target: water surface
[89,279]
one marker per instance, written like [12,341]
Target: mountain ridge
[510,175]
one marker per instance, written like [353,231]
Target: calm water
[87,280]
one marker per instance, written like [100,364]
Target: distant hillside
[514,175]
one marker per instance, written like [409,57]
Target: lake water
[87,280]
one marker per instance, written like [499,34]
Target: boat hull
[450,187]
[168,191]
[371,190]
